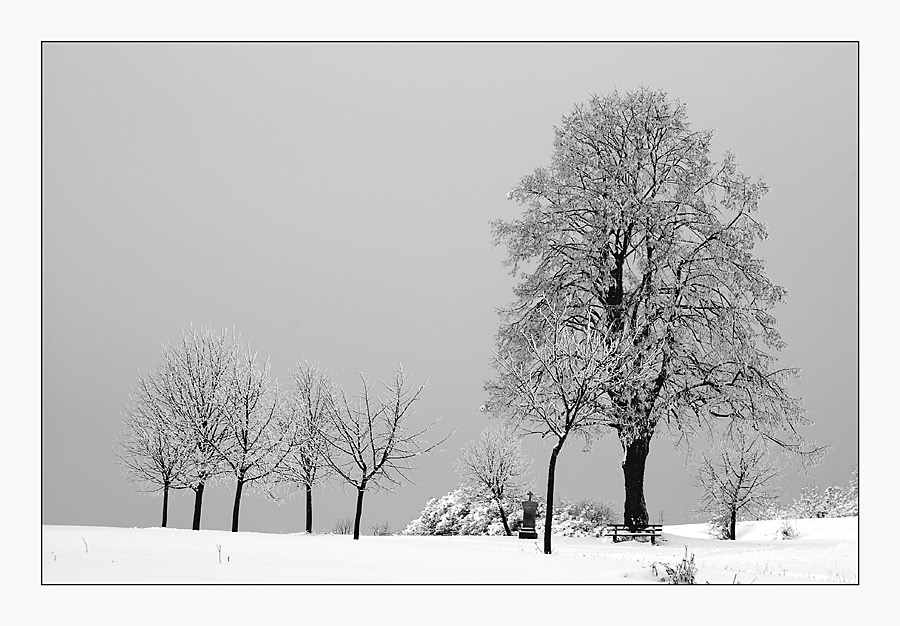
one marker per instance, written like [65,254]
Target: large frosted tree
[634,220]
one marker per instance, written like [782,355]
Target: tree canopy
[636,222]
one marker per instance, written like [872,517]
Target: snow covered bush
[582,518]
[786,530]
[812,503]
[460,513]
[838,502]
[853,491]
[719,525]
[834,501]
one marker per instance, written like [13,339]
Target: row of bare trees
[210,411]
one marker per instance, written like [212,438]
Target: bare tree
[370,441]
[304,407]
[254,440]
[737,477]
[493,468]
[148,452]
[557,377]
[194,383]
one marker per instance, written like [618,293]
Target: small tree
[370,442]
[254,442]
[556,378]
[194,383]
[493,468]
[148,452]
[736,478]
[304,407]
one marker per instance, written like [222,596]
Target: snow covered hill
[824,551]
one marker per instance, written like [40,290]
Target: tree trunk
[503,519]
[359,499]
[308,509]
[636,452]
[165,515]
[551,477]
[236,512]
[198,503]
[731,527]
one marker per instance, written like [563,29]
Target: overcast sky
[332,202]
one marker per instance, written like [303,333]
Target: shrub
[344,526]
[582,518]
[684,573]
[719,525]
[381,530]
[458,513]
[834,501]
[786,530]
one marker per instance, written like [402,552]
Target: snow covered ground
[824,551]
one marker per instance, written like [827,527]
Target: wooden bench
[621,532]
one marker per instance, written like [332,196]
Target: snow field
[825,551]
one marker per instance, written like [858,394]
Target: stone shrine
[529,512]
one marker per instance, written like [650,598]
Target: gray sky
[331,202]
